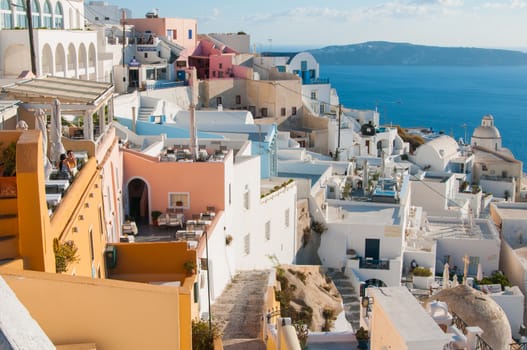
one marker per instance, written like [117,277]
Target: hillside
[387,53]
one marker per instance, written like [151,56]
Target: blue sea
[449,99]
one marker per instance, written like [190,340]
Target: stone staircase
[145,113]
[239,311]
[350,298]
[8,228]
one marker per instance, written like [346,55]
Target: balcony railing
[379,264]
[518,346]
[481,344]
[317,81]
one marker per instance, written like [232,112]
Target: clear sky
[318,23]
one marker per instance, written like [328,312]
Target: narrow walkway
[239,311]
[350,298]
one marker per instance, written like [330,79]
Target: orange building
[40,230]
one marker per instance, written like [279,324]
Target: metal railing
[518,346]
[379,264]
[481,344]
[459,323]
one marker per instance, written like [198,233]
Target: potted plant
[190,267]
[155,214]
[65,254]
[8,160]
[362,337]
[422,277]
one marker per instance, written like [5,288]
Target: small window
[484,167]
[146,54]
[219,100]
[286,217]
[92,250]
[179,200]
[214,73]
[293,111]
[238,100]
[264,112]
[174,34]
[246,201]
[247,244]
[190,33]
[220,74]
[322,108]
[282,112]
[220,66]
[313,95]
[268,230]
[106,18]
[96,18]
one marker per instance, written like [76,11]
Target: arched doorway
[138,200]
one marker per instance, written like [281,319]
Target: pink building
[213,60]
[181,31]
[154,185]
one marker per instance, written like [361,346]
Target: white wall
[498,188]
[488,251]
[512,301]
[252,221]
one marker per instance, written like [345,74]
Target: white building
[443,154]
[62,45]
[511,219]
[365,237]
[317,94]
[495,167]
[446,194]
[100,12]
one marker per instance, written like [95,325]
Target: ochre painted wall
[112,314]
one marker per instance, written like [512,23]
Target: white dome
[478,309]
[487,130]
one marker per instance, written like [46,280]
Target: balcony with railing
[377,264]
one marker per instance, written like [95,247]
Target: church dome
[478,309]
[487,130]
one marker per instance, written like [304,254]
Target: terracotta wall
[204,181]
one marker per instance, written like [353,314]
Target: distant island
[388,53]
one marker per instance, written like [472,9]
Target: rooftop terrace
[445,228]
[366,213]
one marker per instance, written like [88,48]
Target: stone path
[239,311]
[350,298]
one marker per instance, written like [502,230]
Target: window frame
[173,204]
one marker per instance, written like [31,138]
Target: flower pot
[363,343]
[422,282]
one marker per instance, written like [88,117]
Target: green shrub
[421,271]
[202,336]
[496,278]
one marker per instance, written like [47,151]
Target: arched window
[6,21]
[20,14]
[46,16]
[35,14]
[59,18]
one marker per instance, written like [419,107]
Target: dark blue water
[444,98]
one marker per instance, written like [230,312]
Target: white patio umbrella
[446,276]
[455,281]
[479,274]
[55,133]
[41,124]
